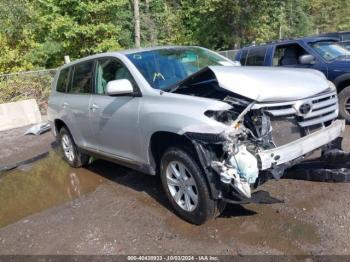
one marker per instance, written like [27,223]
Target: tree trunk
[137,24]
[150,24]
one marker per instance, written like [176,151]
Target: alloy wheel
[182,186]
[347,105]
[68,149]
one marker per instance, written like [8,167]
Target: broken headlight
[225,117]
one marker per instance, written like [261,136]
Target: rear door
[114,119]
[57,96]
[76,103]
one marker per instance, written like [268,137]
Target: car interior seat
[289,57]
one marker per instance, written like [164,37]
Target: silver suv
[211,129]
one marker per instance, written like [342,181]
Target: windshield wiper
[173,88]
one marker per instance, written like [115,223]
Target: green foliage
[16,36]
[330,15]
[37,34]
[80,28]
[19,87]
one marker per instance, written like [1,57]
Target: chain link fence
[25,85]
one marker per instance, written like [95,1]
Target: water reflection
[46,183]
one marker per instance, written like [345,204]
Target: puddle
[50,181]
[46,183]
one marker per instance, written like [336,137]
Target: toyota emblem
[305,108]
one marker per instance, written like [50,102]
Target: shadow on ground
[151,185]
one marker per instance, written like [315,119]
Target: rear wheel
[70,151]
[186,187]
[344,104]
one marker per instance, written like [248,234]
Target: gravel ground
[16,147]
[108,209]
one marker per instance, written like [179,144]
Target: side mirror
[119,87]
[306,59]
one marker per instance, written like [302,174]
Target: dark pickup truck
[320,53]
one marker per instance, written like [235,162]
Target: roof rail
[269,42]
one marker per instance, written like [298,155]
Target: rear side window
[62,80]
[243,57]
[346,37]
[82,78]
[256,56]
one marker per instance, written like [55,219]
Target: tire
[188,194]
[70,151]
[344,104]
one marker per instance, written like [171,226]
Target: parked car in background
[321,53]
[343,37]
[210,129]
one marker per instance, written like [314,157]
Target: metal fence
[26,85]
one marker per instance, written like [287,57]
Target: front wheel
[186,188]
[70,151]
[344,104]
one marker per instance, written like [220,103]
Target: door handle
[94,107]
[65,104]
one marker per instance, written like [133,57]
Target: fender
[338,80]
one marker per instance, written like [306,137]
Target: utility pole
[137,23]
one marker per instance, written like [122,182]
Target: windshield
[164,67]
[330,50]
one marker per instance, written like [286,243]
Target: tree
[330,15]
[76,28]
[35,34]
[16,36]
[137,24]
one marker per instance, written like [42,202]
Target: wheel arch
[58,124]
[342,82]
[161,141]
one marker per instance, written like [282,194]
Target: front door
[287,55]
[114,119]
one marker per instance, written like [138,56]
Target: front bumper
[283,154]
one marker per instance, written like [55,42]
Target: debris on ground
[38,129]
[332,166]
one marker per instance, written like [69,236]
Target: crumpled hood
[267,84]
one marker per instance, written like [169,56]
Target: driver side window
[109,69]
[288,55]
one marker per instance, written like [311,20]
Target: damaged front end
[246,155]
[230,159]
[261,139]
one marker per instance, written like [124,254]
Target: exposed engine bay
[233,154]
[262,139]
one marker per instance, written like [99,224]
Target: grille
[285,130]
[323,108]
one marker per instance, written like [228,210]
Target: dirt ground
[16,147]
[48,208]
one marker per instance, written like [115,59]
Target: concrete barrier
[17,114]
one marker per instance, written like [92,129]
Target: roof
[292,40]
[124,52]
[338,33]
[138,50]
